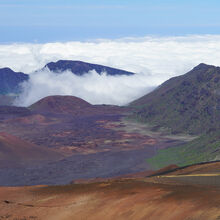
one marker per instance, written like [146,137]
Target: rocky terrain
[93,141]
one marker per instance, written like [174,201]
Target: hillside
[185,104]
[79,68]
[95,141]
[208,168]
[202,149]
[15,151]
[10,81]
[60,104]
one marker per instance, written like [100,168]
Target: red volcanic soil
[128,199]
[14,151]
[60,104]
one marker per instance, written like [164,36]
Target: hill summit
[60,104]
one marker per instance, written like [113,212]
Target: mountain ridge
[10,81]
[80,68]
[189,103]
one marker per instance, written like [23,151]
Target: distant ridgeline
[80,68]
[10,81]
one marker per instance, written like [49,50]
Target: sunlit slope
[118,199]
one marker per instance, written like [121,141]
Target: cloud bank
[92,87]
[154,59]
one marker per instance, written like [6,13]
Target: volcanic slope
[161,197]
[94,140]
[16,152]
[60,104]
[186,104]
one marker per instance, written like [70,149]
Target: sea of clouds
[153,59]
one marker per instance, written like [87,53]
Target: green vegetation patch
[205,148]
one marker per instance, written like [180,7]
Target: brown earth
[113,199]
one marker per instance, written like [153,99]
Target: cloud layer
[154,59]
[92,87]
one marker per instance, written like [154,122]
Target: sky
[40,21]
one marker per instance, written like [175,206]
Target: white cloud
[154,59]
[92,87]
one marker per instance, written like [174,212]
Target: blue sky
[66,20]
